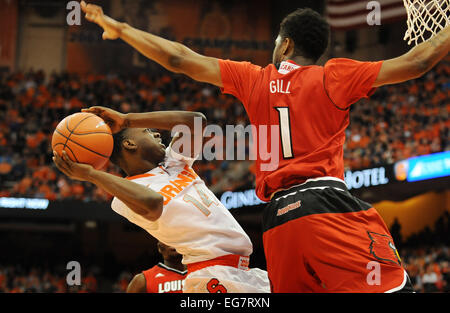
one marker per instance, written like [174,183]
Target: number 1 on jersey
[285,132]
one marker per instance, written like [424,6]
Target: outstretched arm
[165,120]
[172,55]
[416,62]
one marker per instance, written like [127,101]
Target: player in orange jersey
[164,196]
[166,277]
[317,236]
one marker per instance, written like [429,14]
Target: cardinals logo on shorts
[383,248]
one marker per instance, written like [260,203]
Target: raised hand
[72,169]
[115,120]
[94,13]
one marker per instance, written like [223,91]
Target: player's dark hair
[118,138]
[309,31]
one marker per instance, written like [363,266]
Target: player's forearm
[138,198]
[425,55]
[165,52]
[416,62]
[165,120]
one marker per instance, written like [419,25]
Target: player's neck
[302,61]
[137,168]
[175,265]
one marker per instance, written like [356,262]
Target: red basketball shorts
[319,238]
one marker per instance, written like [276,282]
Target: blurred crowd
[398,122]
[428,268]
[426,255]
[17,279]
[401,121]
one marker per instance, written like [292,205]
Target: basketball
[85,137]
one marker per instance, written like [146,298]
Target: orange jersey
[308,107]
[163,279]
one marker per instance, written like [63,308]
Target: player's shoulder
[153,176]
[137,284]
[340,62]
[243,67]
[141,177]
[151,271]
[239,63]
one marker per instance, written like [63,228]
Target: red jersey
[300,114]
[163,279]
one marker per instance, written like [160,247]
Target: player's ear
[287,47]
[159,247]
[129,144]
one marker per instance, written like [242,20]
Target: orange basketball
[86,139]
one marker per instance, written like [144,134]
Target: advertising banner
[424,167]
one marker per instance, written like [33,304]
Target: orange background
[416,213]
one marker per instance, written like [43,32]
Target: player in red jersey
[317,236]
[166,277]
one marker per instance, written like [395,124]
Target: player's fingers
[66,162]
[83,6]
[106,36]
[59,160]
[62,168]
[111,123]
[56,157]
[94,9]
[95,107]
[98,10]
[90,17]
[66,159]
[94,110]
[60,163]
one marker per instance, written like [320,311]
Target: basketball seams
[89,133]
[83,143]
[68,139]
[74,156]
[72,132]
[78,124]
[75,127]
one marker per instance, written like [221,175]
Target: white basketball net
[425,19]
